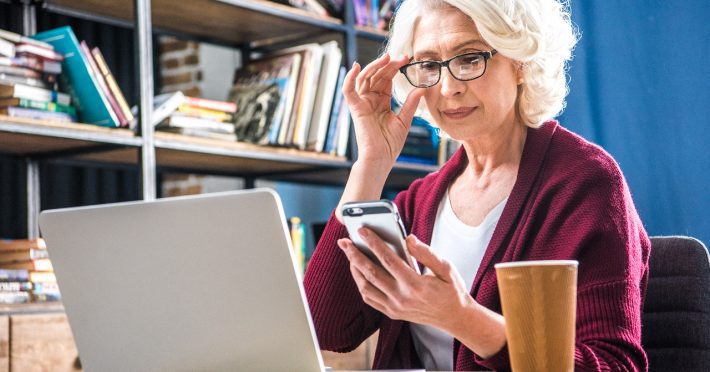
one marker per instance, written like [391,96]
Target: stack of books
[29,71]
[192,116]
[88,80]
[291,98]
[375,13]
[26,273]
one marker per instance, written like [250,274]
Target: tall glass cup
[539,300]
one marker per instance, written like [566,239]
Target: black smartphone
[382,217]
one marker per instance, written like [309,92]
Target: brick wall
[180,66]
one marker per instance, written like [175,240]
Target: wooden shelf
[38,138]
[32,308]
[230,21]
[223,157]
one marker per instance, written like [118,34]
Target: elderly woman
[491,73]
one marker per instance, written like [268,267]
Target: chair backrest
[676,314]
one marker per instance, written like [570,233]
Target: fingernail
[364,232]
[341,243]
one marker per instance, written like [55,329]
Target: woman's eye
[471,60]
[429,66]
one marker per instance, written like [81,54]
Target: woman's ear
[520,73]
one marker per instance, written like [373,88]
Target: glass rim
[505,265]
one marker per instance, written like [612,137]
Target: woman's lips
[459,113]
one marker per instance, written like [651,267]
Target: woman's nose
[450,86]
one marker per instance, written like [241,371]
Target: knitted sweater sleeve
[341,319]
[591,218]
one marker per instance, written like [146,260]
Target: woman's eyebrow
[462,45]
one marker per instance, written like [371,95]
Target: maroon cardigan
[570,201]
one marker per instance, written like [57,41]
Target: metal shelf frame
[149,148]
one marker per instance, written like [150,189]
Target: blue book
[91,103]
[334,112]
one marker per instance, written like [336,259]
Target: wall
[639,88]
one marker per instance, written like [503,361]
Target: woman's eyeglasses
[464,67]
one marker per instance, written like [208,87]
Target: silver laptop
[192,283]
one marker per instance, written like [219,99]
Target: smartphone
[382,217]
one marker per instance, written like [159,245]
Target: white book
[343,134]
[7,48]
[310,88]
[34,93]
[163,105]
[332,58]
[287,132]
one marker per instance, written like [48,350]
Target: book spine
[211,104]
[112,85]
[103,88]
[21,112]
[206,113]
[46,106]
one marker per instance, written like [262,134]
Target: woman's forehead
[445,29]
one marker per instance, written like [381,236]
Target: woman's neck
[500,149]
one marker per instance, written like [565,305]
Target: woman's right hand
[380,132]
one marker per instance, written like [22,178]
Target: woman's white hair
[537,33]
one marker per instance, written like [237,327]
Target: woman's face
[465,109]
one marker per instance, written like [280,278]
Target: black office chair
[676,313]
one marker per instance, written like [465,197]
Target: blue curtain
[639,87]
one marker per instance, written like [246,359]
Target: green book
[92,106]
[39,105]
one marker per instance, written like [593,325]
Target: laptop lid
[203,282]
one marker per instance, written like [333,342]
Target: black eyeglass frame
[486,56]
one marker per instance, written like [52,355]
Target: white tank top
[463,246]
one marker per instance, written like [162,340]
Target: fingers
[409,108]
[382,79]
[349,92]
[375,276]
[424,255]
[362,83]
[394,264]
[372,295]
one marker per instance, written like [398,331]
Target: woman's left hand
[397,291]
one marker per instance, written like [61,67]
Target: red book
[211,104]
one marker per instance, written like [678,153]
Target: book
[39,105]
[42,264]
[18,39]
[21,244]
[105,93]
[37,64]
[23,255]
[42,277]
[209,104]
[203,133]
[264,93]
[9,275]
[328,80]
[328,145]
[308,86]
[7,48]
[7,79]
[183,121]
[38,51]
[163,106]
[29,113]
[91,106]
[204,113]
[14,297]
[112,85]
[15,286]
[20,71]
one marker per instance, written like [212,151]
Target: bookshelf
[243,24]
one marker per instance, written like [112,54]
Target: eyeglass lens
[464,67]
